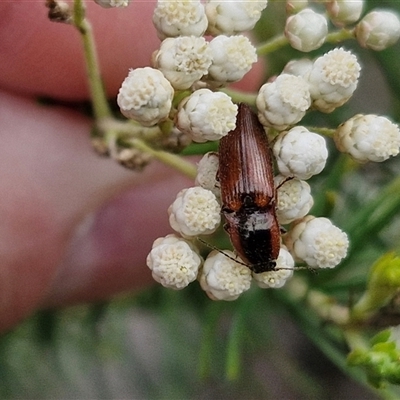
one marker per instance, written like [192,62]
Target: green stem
[363,309]
[339,36]
[241,97]
[128,128]
[98,95]
[280,41]
[354,339]
[328,132]
[174,161]
[213,314]
[272,45]
[233,359]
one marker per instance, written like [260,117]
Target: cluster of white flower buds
[307,30]
[323,84]
[185,60]
[190,68]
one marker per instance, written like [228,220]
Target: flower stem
[339,36]
[328,132]
[174,161]
[99,99]
[272,45]
[128,128]
[241,97]
[280,41]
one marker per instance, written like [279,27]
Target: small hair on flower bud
[294,199]
[174,18]
[283,271]
[378,30]
[317,242]
[145,96]
[174,262]
[222,278]
[333,79]
[207,169]
[368,138]
[344,12]
[206,115]
[232,17]
[306,30]
[300,153]
[195,212]
[283,102]
[183,60]
[232,58]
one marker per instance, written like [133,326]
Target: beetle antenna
[222,252]
[211,246]
[287,179]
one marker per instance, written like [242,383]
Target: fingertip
[107,254]
[51,180]
[44,58]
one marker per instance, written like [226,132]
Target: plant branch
[272,45]
[174,161]
[97,93]
[339,36]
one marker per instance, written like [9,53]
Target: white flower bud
[112,3]
[231,17]
[283,271]
[298,67]
[145,96]
[207,169]
[317,242]
[222,278]
[333,79]
[306,30]
[174,18]
[378,30]
[300,153]
[294,199]
[368,138]
[183,60]
[344,12]
[232,58]
[174,262]
[283,102]
[206,115]
[194,212]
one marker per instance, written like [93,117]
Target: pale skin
[75,227]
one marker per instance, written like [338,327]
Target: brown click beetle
[248,192]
